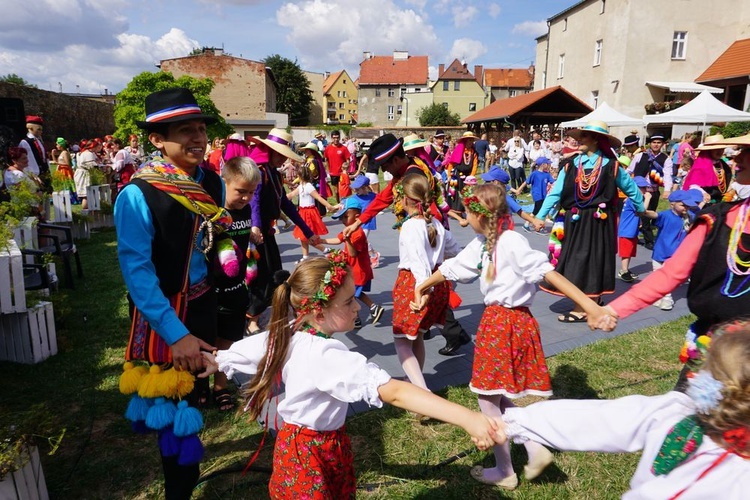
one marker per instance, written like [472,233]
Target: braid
[431,231]
[490,246]
[417,187]
[488,202]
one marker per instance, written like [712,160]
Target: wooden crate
[94,197]
[12,289]
[26,233]
[62,206]
[27,483]
[29,337]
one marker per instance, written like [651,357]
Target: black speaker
[12,116]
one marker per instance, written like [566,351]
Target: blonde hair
[417,188]
[241,167]
[728,361]
[492,197]
[304,282]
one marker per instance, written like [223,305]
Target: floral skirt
[508,355]
[407,323]
[309,464]
[312,218]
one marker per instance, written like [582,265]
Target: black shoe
[649,245]
[451,347]
[427,335]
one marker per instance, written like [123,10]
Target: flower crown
[332,280]
[471,202]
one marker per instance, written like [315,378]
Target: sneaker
[542,232]
[376,312]
[357,324]
[327,250]
[302,259]
[658,303]
[626,276]
[527,227]
[667,304]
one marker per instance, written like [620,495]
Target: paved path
[376,341]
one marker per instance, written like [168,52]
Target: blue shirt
[539,181]
[481,147]
[135,234]
[513,206]
[629,221]
[364,200]
[671,233]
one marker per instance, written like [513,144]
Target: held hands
[256,235]
[538,224]
[420,301]
[485,432]
[604,318]
[211,366]
[314,240]
[186,353]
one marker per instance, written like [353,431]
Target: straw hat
[743,141]
[413,141]
[312,147]
[597,127]
[468,135]
[712,142]
[278,140]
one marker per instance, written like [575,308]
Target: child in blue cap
[540,181]
[497,175]
[627,233]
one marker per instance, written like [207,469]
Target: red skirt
[313,220]
[407,323]
[310,464]
[508,355]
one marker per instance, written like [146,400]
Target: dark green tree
[437,115]
[130,104]
[14,78]
[293,94]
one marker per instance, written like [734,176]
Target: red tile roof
[520,78]
[456,71]
[383,70]
[562,105]
[330,81]
[734,62]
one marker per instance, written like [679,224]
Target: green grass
[395,457]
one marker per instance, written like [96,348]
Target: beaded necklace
[587,185]
[736,265]
[721,175]
[308,328]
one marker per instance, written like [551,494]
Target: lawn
[74,395]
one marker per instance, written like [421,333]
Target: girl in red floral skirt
[312,455]
[308,195]
[508,357]
[422,244]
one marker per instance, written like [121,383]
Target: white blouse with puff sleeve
[321,376]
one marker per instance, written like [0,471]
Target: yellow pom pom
[131,377]
[703,340]
[168,382]
[149,386]
[185,384]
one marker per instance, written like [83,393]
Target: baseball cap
[360,181]
[496,174]
[683,196]
[349,202]
[542,160]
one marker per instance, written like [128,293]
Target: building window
[445,105]
[512,93]
[565,24]
[377,92]
[456,85]
[399,109]
[341,105]
[341,117]
[391,92]
[338,93]
[344,80]
[390,113]
[598,53]
[343,93]
[679,44]
[561,66]
[472,106]
[595,99]
[603,3]
[402,91]
[446,85]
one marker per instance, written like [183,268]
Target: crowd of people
[209,297]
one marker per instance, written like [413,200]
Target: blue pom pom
[187,420]
[137,408]
[191,451]
[161,414]
[139,427]
[169,444]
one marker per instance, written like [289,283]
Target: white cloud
[463,15]
[466,49]
[531,28]
[417,3]
[331,34]
[493,10]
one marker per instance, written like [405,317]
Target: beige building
[340,98]
[460,90]
[245,91]
[631,53]
[318,104]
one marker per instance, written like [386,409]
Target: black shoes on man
[452,346]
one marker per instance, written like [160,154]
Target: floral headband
[471,202]
[332,280]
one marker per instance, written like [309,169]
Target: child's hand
[211,366]
[603,318]
[485,432]
[463,222]
[538,224]
[420,301]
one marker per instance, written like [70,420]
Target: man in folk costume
[388,153]
[169,221]
[34,147]
[656,167]
[462,164]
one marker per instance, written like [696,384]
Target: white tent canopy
[604,112]
[704,109]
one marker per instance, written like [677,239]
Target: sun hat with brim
[359,182]
[280,141]
[742,141]
[468,135]
[236,137]
[684,196]
[172,106]
[641,181]
[312,147]
[413,141]
[496,174]
[383,148]
[597,127]
[712,142]
[350,202]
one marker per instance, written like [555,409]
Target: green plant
[61,182]
[106,208]
[97,177]
[27,428]
[437,115]
[364,125]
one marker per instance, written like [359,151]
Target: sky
[87,46]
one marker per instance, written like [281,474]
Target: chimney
[441,68]
[366,55]
[478,73]
[326,74]
[400,55]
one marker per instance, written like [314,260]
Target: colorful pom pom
[191,450]
[149,386]
[226,252]
[131,377]
[137,408]
[169,444]
[161,414]
[168,383]
[187,420]
[185,384]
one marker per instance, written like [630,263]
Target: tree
[130,104]
[437,115]
[14,78]
[293,94]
